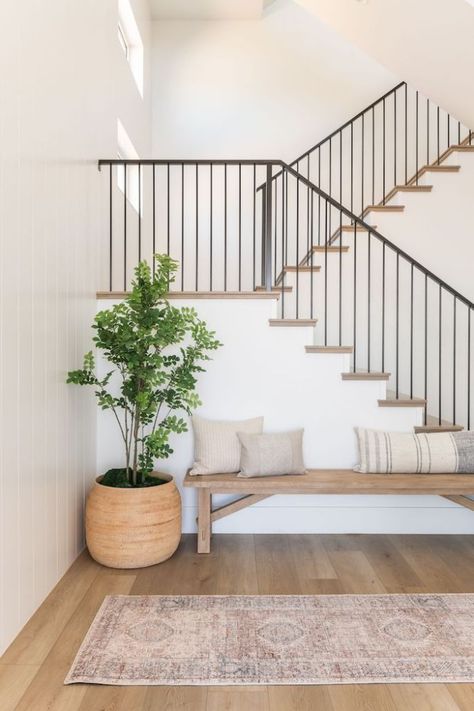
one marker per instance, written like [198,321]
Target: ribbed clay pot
[133,528]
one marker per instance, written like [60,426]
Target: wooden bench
[455,487]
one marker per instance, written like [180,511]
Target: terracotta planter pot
[133,528]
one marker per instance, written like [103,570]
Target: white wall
[428,42]
[266,88]
[263,370]
[63,83]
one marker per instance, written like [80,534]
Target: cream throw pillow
[216,445]
[271,454]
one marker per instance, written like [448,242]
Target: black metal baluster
[383,153]
[454,361]
[268,229]
[406,134]
[125,227]
[355,300]
[340,277]
[397,333]
[154,215]
[240,226]
[297,242]
[328,232]
[411,332]
[139,213]
[362,167]
[439,356]
[225,225]
[427,131]
[340,167]
[352,166]
[110,228]
[437,131]
[275,219]
[469,368]
[426,350]
[449,130]
[373,156]
[326,272]
[284,207]
[369,235]
[182,227]
[168,207]
[254,226]
[319,197]
[197,228]
[307,208]
[312,255]
[459,133]
[395,139]
[211,234]
[417,139]
[383,308]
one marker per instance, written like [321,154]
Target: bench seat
[455,487]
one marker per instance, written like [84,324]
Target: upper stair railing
[400,321]
[384,147]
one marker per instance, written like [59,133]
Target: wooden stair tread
[364,375]
[329,349]
[286,289]
[302,269]
[413,188]
[466,149]
[292,322]
[350,228]
[402,401]
[384,208]
[199,294]
[336,481]
[330,249]
[441,169]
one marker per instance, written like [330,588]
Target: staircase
[305,233]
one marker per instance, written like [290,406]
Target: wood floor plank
[276,570]
[14,680]
[238,699]
[437,577]
[311,559]
[176,698]
[40,633]
[300,698]
[391,568]
[363,697]
[355,573]
[463,695]
[423,697]
[46,691]
[236,565]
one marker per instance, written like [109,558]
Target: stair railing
[385,145]
[366,293]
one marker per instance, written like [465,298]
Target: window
[130,41]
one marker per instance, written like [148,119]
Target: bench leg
[204,521]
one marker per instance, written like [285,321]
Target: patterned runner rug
[284,639]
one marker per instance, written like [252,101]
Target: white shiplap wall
[63,83]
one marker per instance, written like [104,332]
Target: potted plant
[133,514]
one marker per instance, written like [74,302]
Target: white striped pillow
[217,446]
[409,453]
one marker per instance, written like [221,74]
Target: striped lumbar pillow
[216,445]
[406,453]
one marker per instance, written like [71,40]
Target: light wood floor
[33,668]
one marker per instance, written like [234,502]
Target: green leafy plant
[157,350]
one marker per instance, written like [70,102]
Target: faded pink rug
[284,639]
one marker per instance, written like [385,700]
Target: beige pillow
[216,445]
[271,454]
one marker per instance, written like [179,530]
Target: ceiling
[207,9]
